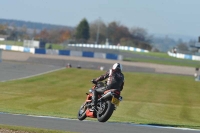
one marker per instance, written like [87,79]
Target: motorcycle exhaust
[107,95]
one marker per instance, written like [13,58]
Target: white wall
[2,39]
[31,43]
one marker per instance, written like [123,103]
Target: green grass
[162,58]
[30,130]
[7,42]
[160,99]
[55,46]
[20,43]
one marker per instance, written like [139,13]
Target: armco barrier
[88,54]
[52,51]
[79,54]
[75,53]
[8,47]
[128,48]
[63,52]
[111,56]
[99,55]
[17,48]
[184,56]
[40,51]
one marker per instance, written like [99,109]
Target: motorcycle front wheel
[105,111]
[82,112]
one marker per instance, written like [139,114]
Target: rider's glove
[94,81]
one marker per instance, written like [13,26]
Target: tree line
[114,32]
[96,32]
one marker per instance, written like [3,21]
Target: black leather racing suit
[115,81]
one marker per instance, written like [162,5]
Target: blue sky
[156,16]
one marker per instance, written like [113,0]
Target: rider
[115,81]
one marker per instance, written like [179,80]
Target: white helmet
[117,66]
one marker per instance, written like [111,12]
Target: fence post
[0,55]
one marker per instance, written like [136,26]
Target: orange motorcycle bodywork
[89,113]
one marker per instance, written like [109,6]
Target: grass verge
[157,99]
[162,58]
[18,129]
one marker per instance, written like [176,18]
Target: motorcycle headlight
[90,90]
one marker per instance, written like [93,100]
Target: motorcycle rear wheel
[82,112]
[106,111]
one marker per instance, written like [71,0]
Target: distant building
[34,44]
[197,45]
[107,42]
[3,37]
[31,43]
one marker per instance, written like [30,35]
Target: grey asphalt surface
[21,65]
[11,70]
[84,126]
[92,63]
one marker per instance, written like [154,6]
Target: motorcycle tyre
[83,116]
[108,112]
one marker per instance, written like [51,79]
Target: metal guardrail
[184,56]
[115,47]
[63,52]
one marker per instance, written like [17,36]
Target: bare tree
[139,34]
[182,47]
[98,29]
[117,31]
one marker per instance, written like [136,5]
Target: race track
[92,63]
[21,65]
[10,70]
[84,126]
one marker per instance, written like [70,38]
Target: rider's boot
[94,103]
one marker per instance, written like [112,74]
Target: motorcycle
[106,104]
